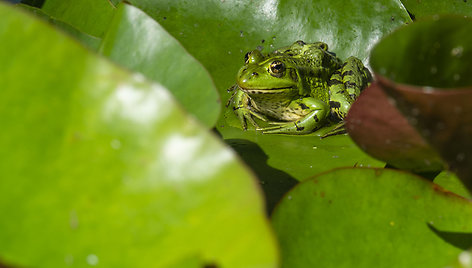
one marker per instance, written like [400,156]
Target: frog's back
[315,65]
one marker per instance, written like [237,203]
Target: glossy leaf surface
[137,42]
[101,167]
[420,9]
[219,33]
[338,225]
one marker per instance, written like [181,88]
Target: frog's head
[276,74]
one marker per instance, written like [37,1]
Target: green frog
[296,89]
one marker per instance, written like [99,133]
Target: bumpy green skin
[297,89]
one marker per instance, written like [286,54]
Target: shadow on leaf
[456,239]
[275,183]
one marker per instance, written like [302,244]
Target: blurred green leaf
[440,49]
[464,260]
[371,218]
[449,181]
[101,167]
[435,93]
[138,43]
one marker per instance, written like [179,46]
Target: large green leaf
[371,218]
[137,42]
[99,166]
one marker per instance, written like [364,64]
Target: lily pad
[101,167]
[449,181]
[382,131]
[434,91]
[420,9]
[137,42]
[371,218]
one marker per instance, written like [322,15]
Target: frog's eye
[277,68]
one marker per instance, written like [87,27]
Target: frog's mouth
[277,90]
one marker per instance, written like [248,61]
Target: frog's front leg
[243,108]
[315,118]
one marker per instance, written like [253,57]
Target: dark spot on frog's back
[348,72]
[301,43]
[334,104]
[303,106]
[350,84]
[334,81]
[316,118]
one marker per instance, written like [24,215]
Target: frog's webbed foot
[245,115]
[337,130]
[285,128]
[241,104]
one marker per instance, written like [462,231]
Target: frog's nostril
[255,74]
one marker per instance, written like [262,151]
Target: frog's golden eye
[277,68]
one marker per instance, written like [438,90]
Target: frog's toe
[286,128]
[276,123]
[251,121]
[337,130]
